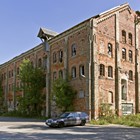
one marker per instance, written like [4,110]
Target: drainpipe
[137,77]
[93,72]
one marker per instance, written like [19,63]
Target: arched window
[73,72]
[102,70]
[124,89]
[123,53]
[109,49]
[73,50]
[82,70]
[123,36]
[130,75]
[60,56]
[110,71]
[54,57]
[60,74]
[130,38]
[130,56]
[110,97]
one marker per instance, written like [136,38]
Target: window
[73,72]
[60,74]
[110,71]
[39,62]
[60,56]
[110,97]
[73,50]
[102,46]
[54,76]
[102,70]
[123,89]
[109,49]
[130,56]
[123,53]
[130,75]
[82,70]
[123,36]
[130,39]
[12,73]
[17,70]
[54,57]
[123,92]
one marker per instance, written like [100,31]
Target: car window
[64,115]
[71,115]
[75,115]
[84,114]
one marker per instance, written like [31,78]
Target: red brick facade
[100,55]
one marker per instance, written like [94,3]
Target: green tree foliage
[138,13]
[33,82]
[3,108]
[63,94]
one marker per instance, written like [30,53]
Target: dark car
[68,118]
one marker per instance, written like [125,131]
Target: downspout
[137,79]
[93,72]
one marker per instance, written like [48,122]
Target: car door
[71,120]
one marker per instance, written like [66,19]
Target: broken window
[73,50]
[123,53]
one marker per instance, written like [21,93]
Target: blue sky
[20,20]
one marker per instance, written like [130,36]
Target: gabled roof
[46,33]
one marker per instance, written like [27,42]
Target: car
[68,119]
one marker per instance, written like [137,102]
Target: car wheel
[83,123]
[61,124]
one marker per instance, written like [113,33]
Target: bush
[129,120]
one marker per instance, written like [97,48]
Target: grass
[129,120]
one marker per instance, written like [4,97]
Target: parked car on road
[68,118]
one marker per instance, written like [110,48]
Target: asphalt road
[31,129]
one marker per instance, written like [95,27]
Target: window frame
[60,53]
[130,38]
[131,75]
[130,55]
[109,49]
[123,36]
[73,72]
[102,70]
[110,71]
[82,70]
[124,53]
[54,57]
[73,49]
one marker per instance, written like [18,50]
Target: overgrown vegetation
[129,120]
[3,107]
[108,117]
[33,82]
[63,94]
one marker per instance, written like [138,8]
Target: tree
[63,94]
[138,13]
[3,108]
[33,82]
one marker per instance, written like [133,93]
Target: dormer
[46,34]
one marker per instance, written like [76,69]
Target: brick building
[100,54]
